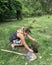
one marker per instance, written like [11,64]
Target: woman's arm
[30,37]
[24,43]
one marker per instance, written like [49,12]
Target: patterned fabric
[17,41]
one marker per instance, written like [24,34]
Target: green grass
[41,30]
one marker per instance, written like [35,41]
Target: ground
[41,29]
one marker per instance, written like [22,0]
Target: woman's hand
[34,40]
[31,50]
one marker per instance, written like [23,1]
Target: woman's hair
[27,30]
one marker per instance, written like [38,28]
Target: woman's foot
[12,46]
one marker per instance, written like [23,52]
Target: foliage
[18,8]
[37,7]
[46,6]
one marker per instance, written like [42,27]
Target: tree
[18,8]
[9,8]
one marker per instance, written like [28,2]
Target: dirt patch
[47,36]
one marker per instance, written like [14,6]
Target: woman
[18,38]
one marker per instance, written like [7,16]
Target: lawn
[41,29]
